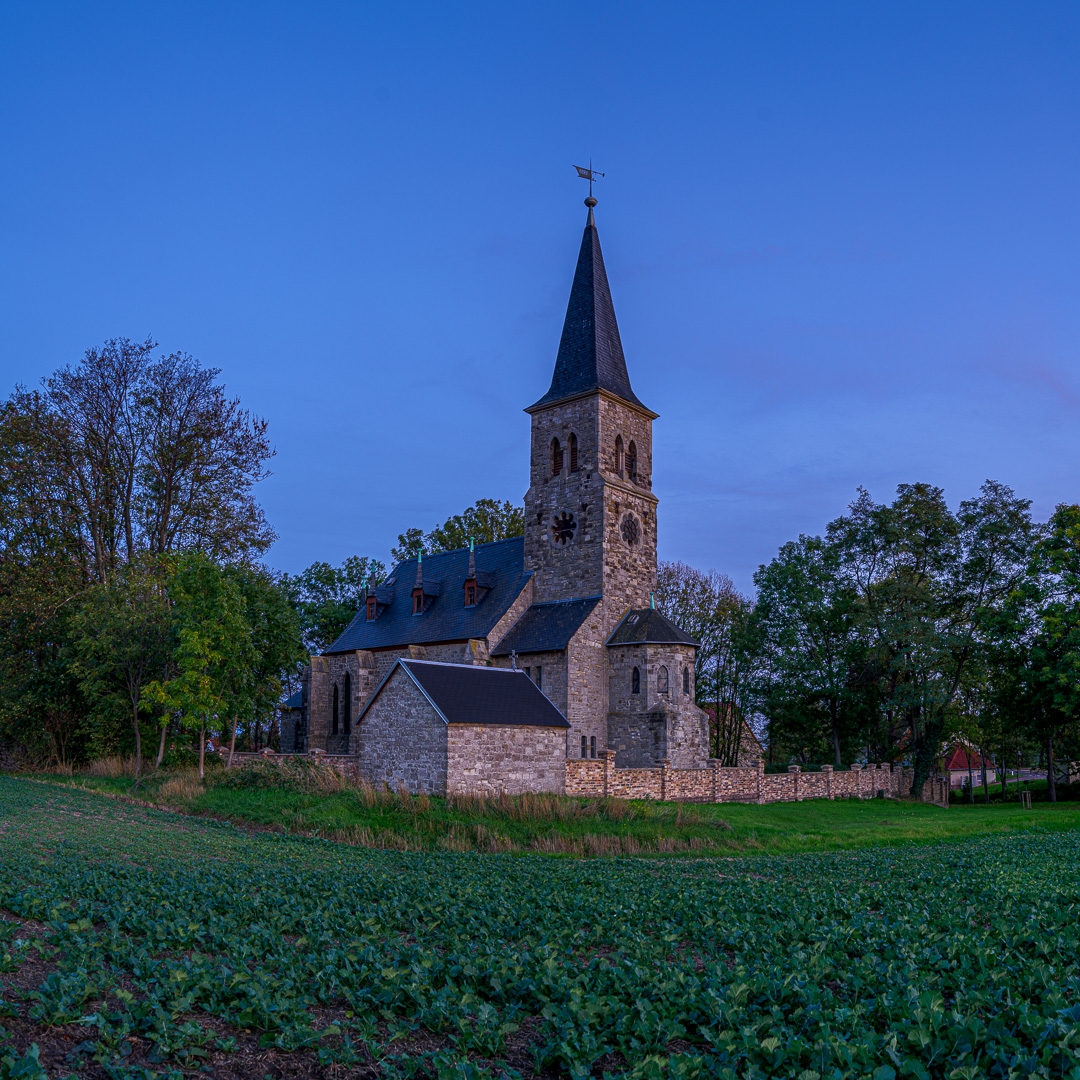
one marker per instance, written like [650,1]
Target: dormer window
[418,601]
[372,609]
[470,594]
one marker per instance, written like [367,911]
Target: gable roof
[546,627]
[294,701]
[958,757]
[646,626]
[467,694]
[590,353]
[445,617]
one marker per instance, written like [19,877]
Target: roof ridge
[450,663]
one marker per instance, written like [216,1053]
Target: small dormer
[477,582]
[377,598]
[424,592]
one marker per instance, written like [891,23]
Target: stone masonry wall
[716,783]
[650,725]
[402,740]
[508,758]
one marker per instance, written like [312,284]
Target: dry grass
[111,766]
[183,787]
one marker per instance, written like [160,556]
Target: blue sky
[842,241]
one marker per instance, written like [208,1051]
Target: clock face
[563,527]
[631,530]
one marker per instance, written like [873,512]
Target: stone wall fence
[598,778]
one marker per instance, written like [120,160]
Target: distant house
[959,757]
[750,748]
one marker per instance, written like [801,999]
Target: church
[486,669]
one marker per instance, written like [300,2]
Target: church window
[417,601]
[686,680]
[573,453]
[334,713]
[348,703]
[556,457]
[562,528]
[539,678]
[661,679]
[635,681]
[631,530]
[297,736]
[584,747]
[631,461]
[592,747]
[618,455]
[470,594]
[372,608]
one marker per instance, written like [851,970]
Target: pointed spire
[590,352]
[419,569]
[472,560]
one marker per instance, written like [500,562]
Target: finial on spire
[589,174]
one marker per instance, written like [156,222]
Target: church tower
[590,513]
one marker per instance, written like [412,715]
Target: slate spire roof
[590,351]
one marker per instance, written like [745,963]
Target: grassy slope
[727,829]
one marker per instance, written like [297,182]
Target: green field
[139,942]
[275,798]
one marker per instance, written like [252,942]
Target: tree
[327,597]
[121,641]
[710,609]
[809,630]
[485,521]
[929,583]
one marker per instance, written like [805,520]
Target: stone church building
[486,669]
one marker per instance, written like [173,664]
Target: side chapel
[485,669]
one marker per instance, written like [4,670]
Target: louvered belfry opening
[556,457]
[573,454]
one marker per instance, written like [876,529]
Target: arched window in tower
[661,680]
[686,681]
[635,682]
[618,455]
[631,461]
[556,457]
[573,453]
[334,713]
[348,703]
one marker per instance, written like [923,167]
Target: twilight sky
[842,240]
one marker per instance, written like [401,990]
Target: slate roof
[464,694]
[648,627]
[296,701]
[590,352]
[445,618]
[546,627]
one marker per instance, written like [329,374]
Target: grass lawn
[137,943]
[582,826]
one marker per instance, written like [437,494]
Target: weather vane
[589,174]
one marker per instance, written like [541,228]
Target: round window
[630,529]
[562,528]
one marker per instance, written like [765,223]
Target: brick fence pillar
[714,765]
[760,781]
[608,757]
[857,770]
[828,771]
[665,764]
[793,772]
